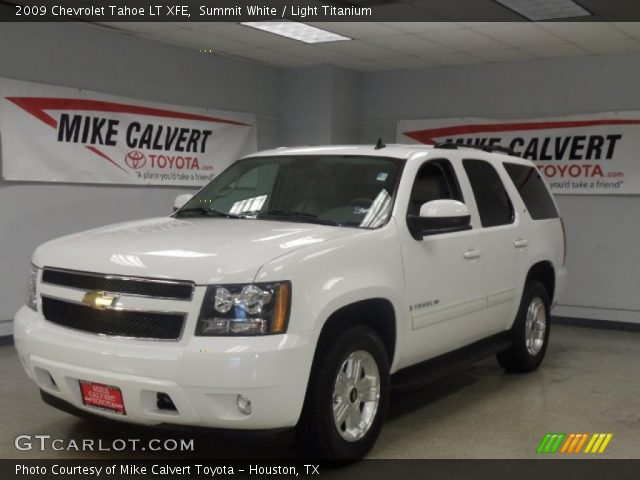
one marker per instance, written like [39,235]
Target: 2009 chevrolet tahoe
[292,289]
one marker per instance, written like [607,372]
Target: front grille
[121,323]
[175,290]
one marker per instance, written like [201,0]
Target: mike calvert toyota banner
[581,154]
[58,134]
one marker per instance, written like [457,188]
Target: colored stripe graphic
[598,443]
[550,442]
[573,443]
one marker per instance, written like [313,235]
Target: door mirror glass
[180,201]
[440,216]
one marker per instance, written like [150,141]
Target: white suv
[295,288]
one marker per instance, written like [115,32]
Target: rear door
[500,240]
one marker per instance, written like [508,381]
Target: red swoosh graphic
[37,107]
[428,136]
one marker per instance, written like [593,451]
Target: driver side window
[435,180]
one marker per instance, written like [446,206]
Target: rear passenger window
[494,205]
[533,191]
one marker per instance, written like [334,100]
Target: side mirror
[180,200]
[439,216]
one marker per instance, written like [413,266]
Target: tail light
[564,243]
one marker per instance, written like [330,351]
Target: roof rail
[484,148]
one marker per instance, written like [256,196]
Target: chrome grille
[156,288]
[119,323]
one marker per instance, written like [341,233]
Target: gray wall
[319,105]
[98,59]
[603,231]
[312,106]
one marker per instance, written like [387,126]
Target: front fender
[339,272]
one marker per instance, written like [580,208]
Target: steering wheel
[360,202]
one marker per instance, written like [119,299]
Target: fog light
[244,404]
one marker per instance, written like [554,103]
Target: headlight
[32,299]
[243,310]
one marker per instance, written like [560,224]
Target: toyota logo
[135,159]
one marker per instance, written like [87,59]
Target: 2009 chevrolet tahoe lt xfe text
[295,288]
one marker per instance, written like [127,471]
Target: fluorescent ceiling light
[545,9]
[297,31]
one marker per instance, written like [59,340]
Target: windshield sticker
[382,176]
[360,211]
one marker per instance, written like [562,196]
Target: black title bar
[548,469]
[278,10]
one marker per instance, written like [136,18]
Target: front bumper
[203,376]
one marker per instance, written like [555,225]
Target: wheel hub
[356,395]
[535,326]
[353,396]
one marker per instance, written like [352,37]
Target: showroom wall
[603,231]
[96,58]
[312,106]
[319,106]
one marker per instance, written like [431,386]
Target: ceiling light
[545,9]
[297,31]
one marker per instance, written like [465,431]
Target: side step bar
[417,376]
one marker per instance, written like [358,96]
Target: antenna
[380,145]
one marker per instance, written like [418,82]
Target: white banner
[581,154]
[57,134]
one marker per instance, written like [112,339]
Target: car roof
[399,151]
[392,150]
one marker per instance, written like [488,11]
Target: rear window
[533,191]
[494,205]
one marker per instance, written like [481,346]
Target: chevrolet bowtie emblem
[100,300]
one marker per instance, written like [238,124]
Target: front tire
[530,332]
[347,397]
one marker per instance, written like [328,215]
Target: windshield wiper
[207,211]
[295,217]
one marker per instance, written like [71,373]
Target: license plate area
[104,397]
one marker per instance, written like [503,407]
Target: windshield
[334,190]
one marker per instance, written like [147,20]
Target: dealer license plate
[102,396]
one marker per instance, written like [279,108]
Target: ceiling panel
[389,45]
[360,49]
[272,57]
[519,34]
[630,28]
[555,51]
[616,46]
[417,27]
[357,30]
[455,59]
[412,45]
[462,40]
[584,31]
[503,54]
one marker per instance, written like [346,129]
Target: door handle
[471,254]
[521,243]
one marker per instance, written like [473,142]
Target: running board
[416,376]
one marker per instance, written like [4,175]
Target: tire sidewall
[532,291]
[331,444]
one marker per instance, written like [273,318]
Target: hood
[203,250]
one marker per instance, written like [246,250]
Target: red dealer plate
[102,396]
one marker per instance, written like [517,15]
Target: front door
[444,274]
